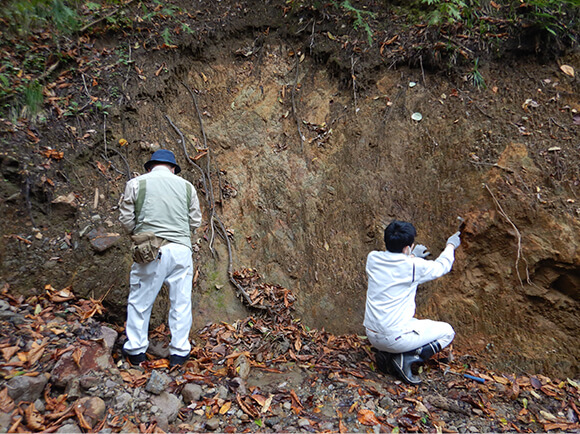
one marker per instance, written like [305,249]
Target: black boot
[402,362]
[383,360]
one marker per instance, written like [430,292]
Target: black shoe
[135,359]
[401,364]
[383,361]
[175,360]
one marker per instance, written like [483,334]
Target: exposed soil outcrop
[313,150]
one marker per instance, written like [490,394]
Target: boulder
[25,388]
[94,356]
[102,240]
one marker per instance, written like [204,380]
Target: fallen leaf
[122,142]
[6,403]
[367,417]
[34,420]
[224,408]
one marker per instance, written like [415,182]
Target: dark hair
[399,235]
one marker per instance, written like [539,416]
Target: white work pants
[174,267]
[413,335]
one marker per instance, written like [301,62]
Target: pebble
[157,382]
[212,424]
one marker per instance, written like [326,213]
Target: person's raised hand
[420,251]
[454,240]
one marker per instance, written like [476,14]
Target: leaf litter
[268,372]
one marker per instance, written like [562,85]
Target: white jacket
[392,285]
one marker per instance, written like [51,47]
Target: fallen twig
[518,236]
[481,163]
[294,113]
[208,174]
[353,76]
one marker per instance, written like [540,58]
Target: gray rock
[222,392]
[69,428]
[191,393]
[168,404]
[23,388]
[109,336]
[302,423]
[39,405]
[73,390]
[329,426]
[4,305]
[5,421]
[212,424]
[102,240]
[122,400]
[157,382]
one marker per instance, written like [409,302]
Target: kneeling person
[393,277]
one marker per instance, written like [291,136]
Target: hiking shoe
[175,360]
[383,361]
[401,363]
[135,359]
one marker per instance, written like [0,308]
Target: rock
[303,423]
[65,206]
[39,405]
[212,424]
[28,389]
[168,404]
[157,382]
[158,349]
[222,391]
[329,427]
[89,380]
[122,400]
[242,366]
[73,390]
[109,336]
[191,393]
[69,428]
[102,240]
[93,409]
[4,305]
[95,356]
[5,421]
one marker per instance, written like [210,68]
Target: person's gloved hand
[420,251]
[454,240]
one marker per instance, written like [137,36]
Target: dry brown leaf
[6,403]
[9,352]
[77,355]
[36,351]
[367,417]
[34,420]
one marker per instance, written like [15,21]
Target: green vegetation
[359,18]
[476,77]
[444,12]
[24,16]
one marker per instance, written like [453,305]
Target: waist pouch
[145,247]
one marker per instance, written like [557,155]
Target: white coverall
[390,306]
[165,213]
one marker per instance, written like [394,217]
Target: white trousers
[413,335]
[175,268]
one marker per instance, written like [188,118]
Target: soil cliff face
[307,169]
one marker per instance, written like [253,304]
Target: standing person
[159,209]
[393,276]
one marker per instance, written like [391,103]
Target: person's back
[159,209]
[393,277]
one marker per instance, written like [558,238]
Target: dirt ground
[313,151]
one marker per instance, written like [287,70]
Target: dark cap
[163,156]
